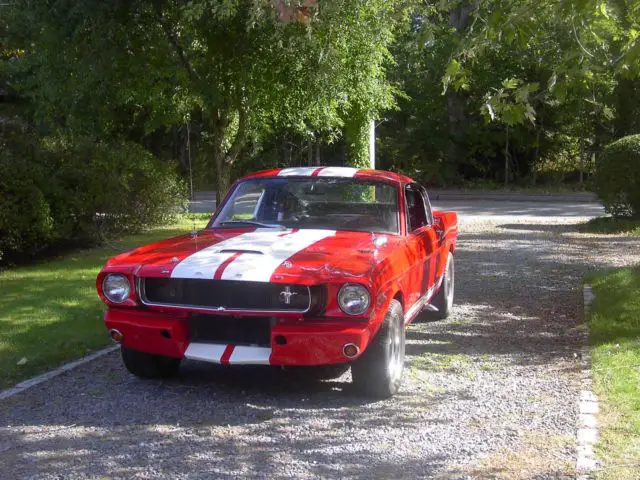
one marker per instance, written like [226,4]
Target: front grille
[255,331]
[230,295]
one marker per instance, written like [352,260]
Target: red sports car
[314,267]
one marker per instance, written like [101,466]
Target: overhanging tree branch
[173,40]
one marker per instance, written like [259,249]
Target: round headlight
[116,287]
[353,299]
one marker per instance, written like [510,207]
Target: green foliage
[611,225]
[96,188]
[107,68]
[64,193]
[538,85]
[617,179]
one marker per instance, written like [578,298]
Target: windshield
[320,203]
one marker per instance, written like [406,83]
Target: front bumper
[302,343]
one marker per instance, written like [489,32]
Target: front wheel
[147,365]
[378,372]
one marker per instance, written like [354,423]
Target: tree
[102,67]
[525,83]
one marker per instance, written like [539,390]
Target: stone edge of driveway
[587,428]
[38,379]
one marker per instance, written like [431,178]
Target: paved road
[490,393]
[488,208]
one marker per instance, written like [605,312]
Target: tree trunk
[536,152]
[507,158]
[456,114]
[309,152]
[318,161]
[459,19]
[223,176]
[224,156]
[581,160]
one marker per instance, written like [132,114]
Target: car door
[422,242]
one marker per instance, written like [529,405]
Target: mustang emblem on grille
[286,294]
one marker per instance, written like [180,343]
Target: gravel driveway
[490,393]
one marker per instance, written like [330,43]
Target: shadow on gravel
[517,304]
[212,423]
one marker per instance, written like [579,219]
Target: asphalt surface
[489,393]
[480,208]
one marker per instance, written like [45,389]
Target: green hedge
[58,192]
[617,178]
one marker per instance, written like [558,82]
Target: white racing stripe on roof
[338,172]
[346,172]
[275,247]
[298,172]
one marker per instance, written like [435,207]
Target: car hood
[285,256]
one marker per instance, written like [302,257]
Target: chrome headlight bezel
[124,287]
[350,292]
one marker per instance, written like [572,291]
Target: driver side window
[416,212]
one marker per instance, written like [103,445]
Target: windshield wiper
[252,223]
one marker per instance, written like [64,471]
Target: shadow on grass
[50,312]
[610,225]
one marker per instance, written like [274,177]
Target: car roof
[335,172]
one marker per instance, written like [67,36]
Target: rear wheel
[443,299]
[378,372]
[147,365]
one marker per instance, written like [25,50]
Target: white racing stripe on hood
[275,248]
[266,249]
[204,263]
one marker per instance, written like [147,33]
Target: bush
[69,194]
[101,188]
[617,178]
[25,217]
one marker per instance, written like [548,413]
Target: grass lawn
[611,225]
[614,324]
[50,312]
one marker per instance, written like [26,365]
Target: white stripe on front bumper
[250,356]
[206,352]
[241,355]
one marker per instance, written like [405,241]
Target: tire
[147,365]
[443,299]
[378,372]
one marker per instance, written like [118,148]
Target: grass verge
[50,312]
[611,225]
[614,325]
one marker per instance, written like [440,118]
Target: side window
[427,204]
[416,211]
